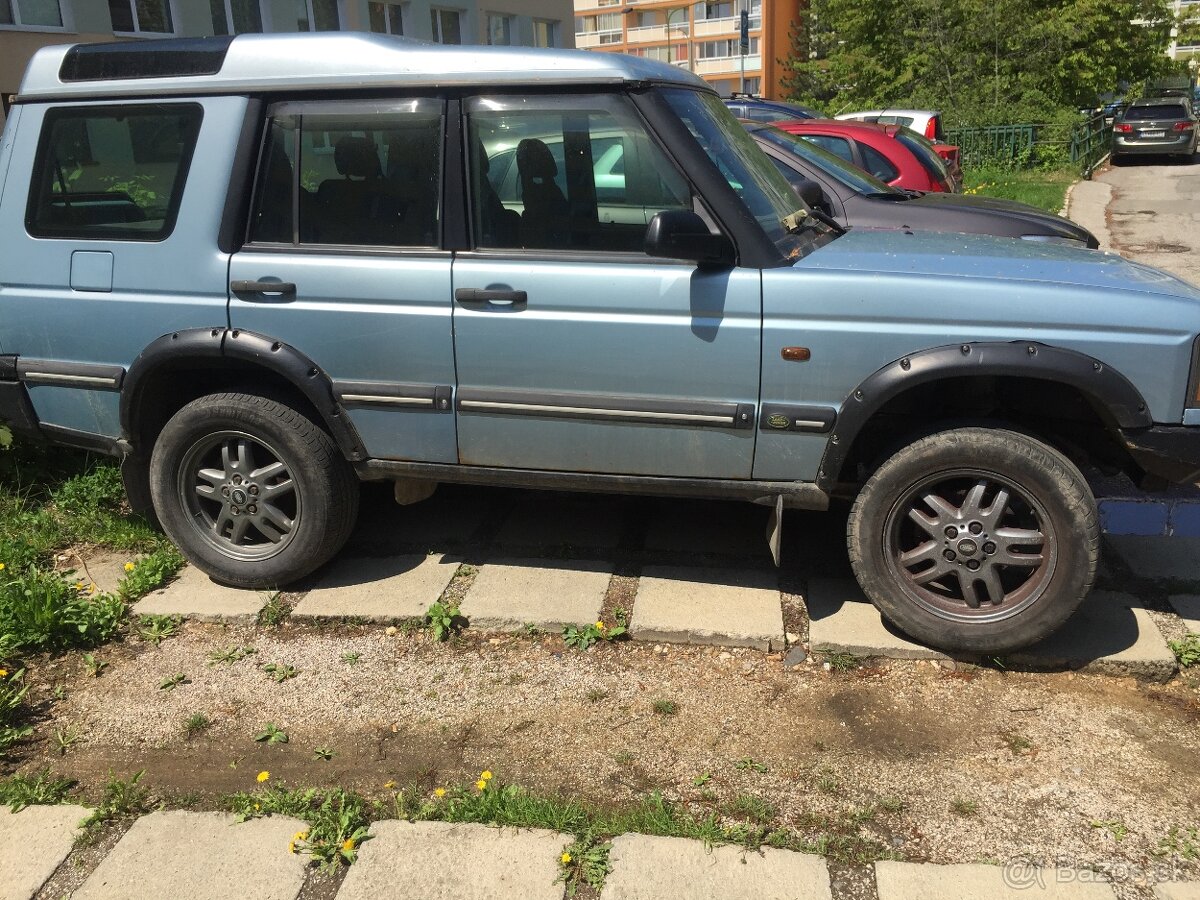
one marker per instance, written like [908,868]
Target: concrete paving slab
[195,595]
[33,843]
[551,522]
[378,588]
[1178,890]
[1188,607]
[841,619]
[650,868]
[200,856]
[1176,558]
[922,881]
[444,861]
[104,568]
[510,593]
[1111,634]
[722,607]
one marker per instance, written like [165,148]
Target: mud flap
[775,529]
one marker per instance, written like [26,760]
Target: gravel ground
[978,765]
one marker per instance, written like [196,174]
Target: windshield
[1157,111]
[749,171]
[832,165]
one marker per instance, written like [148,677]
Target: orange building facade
[702,37]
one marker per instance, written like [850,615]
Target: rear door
[343,263]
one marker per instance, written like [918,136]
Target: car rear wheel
[253,492]
[976,540]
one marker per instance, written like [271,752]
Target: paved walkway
[207,856]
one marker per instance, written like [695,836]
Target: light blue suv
[259,269]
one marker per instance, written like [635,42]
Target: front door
[346,222]
[575,351]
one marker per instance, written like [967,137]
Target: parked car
[1156,126]
[923,121]
[758,109]
[892,153]
[261,268]
[856,198]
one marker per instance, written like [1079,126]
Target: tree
[977,60]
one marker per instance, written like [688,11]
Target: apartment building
[702,37]
[26,25]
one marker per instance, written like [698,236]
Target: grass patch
[1187,651]
[337,820]
[121,800]
[43,789]
[1043,188]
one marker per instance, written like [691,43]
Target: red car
[891,153]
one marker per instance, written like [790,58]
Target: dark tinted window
[112,172]
[925,154]
[878,164]
[1157,111]
[365,175]
[835,145]
[847,173]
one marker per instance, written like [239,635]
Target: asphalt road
[1147,210]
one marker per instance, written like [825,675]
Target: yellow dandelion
[389,785]
[1,567]
[3,673]
[600,625]
[348,845]
[91,588]
[79,585]
[291,846]
[299,836]
[129,567]
[565,858]
[257,807]
[439,792]
[480,785]
[263,776]
[486,775]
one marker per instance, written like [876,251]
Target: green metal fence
[1028,146]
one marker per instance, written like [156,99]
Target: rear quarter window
[926,156]
[112,172]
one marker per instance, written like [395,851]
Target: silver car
[1156,125]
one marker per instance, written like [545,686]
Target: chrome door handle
[494,297]
[262,287]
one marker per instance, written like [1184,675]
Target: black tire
[1047,513]
[273,461]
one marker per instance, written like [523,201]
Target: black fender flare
[1110,391]
[197,344]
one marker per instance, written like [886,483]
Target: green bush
[40,611]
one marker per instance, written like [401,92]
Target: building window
[386,18]
[724,49]
[500,30]
[31,13]
[545,33]
[141,16]
[236,16]
[317,15]
[447,25]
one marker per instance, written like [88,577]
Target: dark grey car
[1156,125]
[855,197]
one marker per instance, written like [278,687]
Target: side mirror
[681,234]
[810,192]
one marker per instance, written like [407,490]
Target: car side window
[836,145]
[566,173]
[112,172]
[878,164]
[357,174]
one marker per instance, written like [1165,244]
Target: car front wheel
[252,491]
[979,540]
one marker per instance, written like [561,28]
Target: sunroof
[145,59]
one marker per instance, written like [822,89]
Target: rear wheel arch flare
[217,348]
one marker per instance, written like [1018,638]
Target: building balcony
[585,40]
[726,65]
[651,33]
[582,6]
[728,27]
